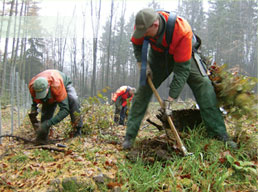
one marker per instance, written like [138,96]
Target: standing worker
[52,88]
[163,59]
[122,95]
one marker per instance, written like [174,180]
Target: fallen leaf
[237,163]
[188,176]
[206,147]
[68,152]
[113,185]
[222,160]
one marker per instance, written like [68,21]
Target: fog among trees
[228,29]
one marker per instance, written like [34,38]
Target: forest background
[91,42]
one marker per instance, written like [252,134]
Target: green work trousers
[201,87]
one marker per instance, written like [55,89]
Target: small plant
[19,158]
[141,177]
[27,174]
[235,94]
[43,156]
[242,166]
[234,91]
[72,185]
[98,117]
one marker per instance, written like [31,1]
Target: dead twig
[47,147]
[159,127]
[54,141]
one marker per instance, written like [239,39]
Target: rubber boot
[128,143]
[78,132]
[228,141]
[116,119]
[42,137]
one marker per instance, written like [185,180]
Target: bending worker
[52,88]
[122,95]
[160,64]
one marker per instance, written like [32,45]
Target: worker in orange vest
[122,95]
[51,88]
[165,56]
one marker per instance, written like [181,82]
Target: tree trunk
[24,43]
[93,81]
[95,28]
[82,79]
[109,43]
[6,50]
[18,37]
[75,72]
[14,37]
[118,63]
[2,18]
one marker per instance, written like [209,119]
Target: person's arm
[181,73]
[137,48]
[34,107]
[137,52]
[62,113]
[182,65]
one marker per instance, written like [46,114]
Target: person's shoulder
[182,26]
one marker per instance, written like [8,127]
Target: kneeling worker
[120,98]
[51,88]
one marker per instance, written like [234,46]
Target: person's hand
[148,69]
[33,119]
[170,99]
[33,111]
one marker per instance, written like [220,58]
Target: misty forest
[228,30]
[90,42]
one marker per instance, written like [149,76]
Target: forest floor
[96,161]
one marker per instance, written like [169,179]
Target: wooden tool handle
[155,92]
[180,143]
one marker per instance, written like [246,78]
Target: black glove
[162,115]
[33,119]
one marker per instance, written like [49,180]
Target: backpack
[196,40]
[196,43]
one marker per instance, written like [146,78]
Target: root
[19,138]
[36,145]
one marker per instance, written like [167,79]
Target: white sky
[65,7]
[63,10]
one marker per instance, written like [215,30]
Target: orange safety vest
[181,46]
[124,93]
[57,87]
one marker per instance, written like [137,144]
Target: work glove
[148,69]
[33,119]
[167,105]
